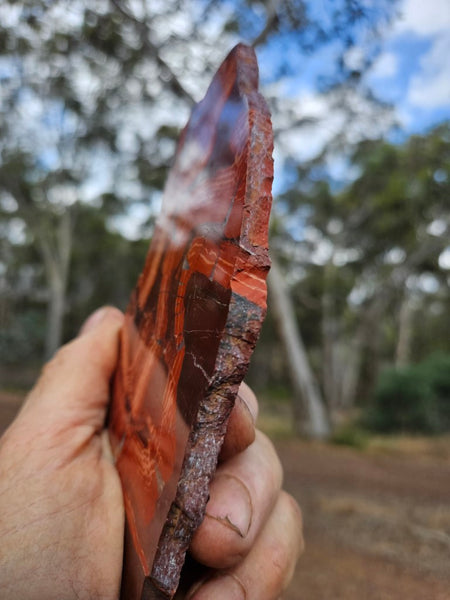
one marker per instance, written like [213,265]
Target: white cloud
[346,114]
[385,66]
[444,259]
[430,87]
[307,141]
[424,18]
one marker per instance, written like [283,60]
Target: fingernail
[248,399]
[230,504]
[222,587]
[92,321]
[246,408]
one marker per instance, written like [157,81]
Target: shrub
[436,369]
[350,435]
[415,399]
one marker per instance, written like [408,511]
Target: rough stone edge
[188,509]
[242,329]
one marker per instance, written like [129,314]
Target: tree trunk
[331,373]
[56,249]
[55,316]
[310,417]
[352,368]
[371,342]
[405,331]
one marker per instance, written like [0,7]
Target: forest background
[92,99]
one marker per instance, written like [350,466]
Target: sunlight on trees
[92,100]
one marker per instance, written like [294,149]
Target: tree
[371,253]
[310,418]
[406,189]
[79,84]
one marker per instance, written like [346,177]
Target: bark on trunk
[352,367]
[405,331]
[56,249]
[55,316]
[331,373]
[370,346]
[310,417]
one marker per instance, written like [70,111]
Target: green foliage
[105,268]
[98,76]
[359,254]
[351,435]
[414,399]
[21,336]
[436,370]
[403,401]
[401,189]
[93,96]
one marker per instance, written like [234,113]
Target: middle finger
[242,495]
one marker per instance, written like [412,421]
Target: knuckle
[272,458]
[285,542]
[51,367]
[282,564]
[294,514]
[62,355]
[280,560]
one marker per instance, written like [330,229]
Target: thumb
[74,386]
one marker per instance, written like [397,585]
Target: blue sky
[411,71]
[413,68]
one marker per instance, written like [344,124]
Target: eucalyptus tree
[372,258]
[94,93]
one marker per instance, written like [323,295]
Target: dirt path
[377,527]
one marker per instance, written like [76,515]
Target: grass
[275,417]
[277,427]
[351,435]
[431,447]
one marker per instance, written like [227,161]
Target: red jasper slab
[192,324]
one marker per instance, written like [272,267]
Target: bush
[436,369]
[350,435]
[415,399]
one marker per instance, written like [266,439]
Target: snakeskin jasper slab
[192,324]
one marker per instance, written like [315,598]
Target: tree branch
[271,23]
[144,32]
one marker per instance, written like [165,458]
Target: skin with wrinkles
[61,499]
[61,504]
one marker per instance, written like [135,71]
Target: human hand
[61,505]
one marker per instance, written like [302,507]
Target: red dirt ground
[377,526]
